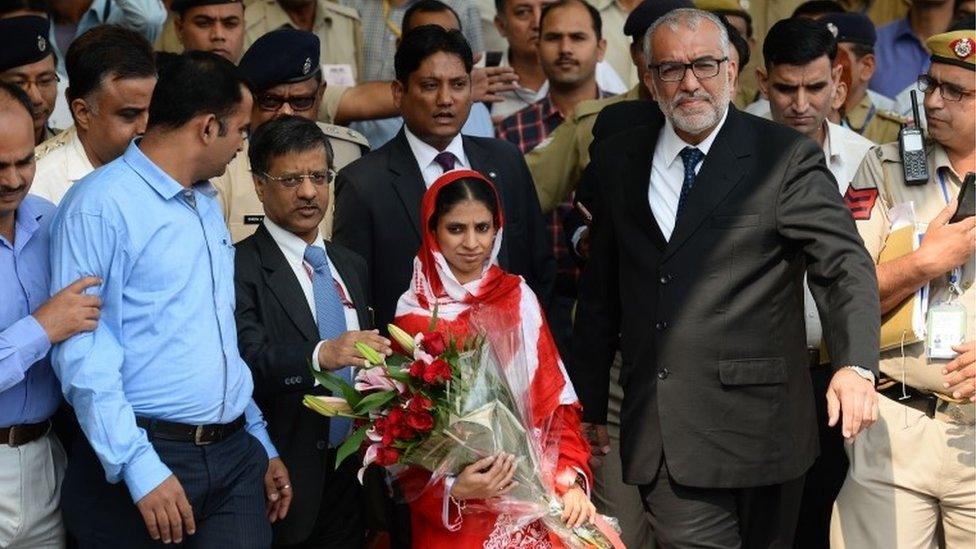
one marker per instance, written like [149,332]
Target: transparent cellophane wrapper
[491,413]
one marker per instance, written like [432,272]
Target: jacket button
[320,445]
[661,326]
[663,373]
[664,279]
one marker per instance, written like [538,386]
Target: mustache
[684,96]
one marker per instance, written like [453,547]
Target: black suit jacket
[377,215]
[277,335]
[711,322]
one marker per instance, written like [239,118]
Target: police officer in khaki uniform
[913,473]
[856,36]
[283,69]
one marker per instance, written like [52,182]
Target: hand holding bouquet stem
[343,351]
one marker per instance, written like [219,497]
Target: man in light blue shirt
[31,458]
[159,388]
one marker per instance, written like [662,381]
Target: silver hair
[688,18]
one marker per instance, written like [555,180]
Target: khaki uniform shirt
[879,183]
[618,43]
[558,162]
[61,161]
[338,28]
[878,125]
[243,211]
[167,40]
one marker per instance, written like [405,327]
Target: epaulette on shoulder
[345,134]
[339,9]
[51,144]
[892,116]
[889,152]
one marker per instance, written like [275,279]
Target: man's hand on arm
[599,440]
[852,399]
[960,373]
[341,352]
[277,487]
[70,311]
[167,512]
[944,247]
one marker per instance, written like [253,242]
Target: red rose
[433,343]
[420,421]
[387,456]
[419,403]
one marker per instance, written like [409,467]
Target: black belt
[18,435]
[907,396]
[197,434]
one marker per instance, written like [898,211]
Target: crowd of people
[737,239]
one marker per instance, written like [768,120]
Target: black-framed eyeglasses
[297,103]
[949,92]
[292,180]
[703,68]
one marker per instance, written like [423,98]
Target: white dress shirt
[425,154]
[668,173]
[843,149]
[293,249]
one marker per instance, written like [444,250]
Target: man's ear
[763,82]
[81,113]
[601,49]
[178,27]
[500,25]
[870,64]
[397,87]
[208,128]
[649,83]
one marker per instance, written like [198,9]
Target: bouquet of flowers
[445,404]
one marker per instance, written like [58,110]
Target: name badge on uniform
[945,328]
[254,219]
[338,75]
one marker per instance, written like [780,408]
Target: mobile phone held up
[967,199]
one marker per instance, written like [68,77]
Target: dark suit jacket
[711,322]
[377,215]
[277,335]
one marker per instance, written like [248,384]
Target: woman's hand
[577,508]
[486,478]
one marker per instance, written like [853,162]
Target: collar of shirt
[160,181]
[425,154]
[942,164]
[277,17]
[78,164]
[291,245]
[25,224]
[672,145]
[902,30]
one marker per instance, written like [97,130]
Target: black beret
[180,6]
[649,11]
[851,27]
[24,41]
[282,56]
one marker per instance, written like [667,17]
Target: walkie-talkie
[912,145]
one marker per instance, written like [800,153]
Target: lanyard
[945,188]
[955,275]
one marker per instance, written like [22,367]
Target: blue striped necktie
[690,156]
[331,319]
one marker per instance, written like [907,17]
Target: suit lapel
[282,284]
[407,182]
[351,279]
[640,155]
[719,174]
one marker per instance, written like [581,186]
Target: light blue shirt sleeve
[145,17]
[258,428]
[89,363]
[22,345]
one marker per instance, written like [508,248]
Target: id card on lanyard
[945,323]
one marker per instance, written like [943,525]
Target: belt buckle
[198,435]
[11,435]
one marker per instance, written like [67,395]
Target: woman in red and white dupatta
[456,290]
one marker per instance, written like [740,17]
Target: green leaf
[373,401]
[338,385]
[351,445]
[398,360]
[433,320]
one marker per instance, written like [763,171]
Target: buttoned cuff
[315,361]
[144,473]
[863,372]
[31,339]
[576,238]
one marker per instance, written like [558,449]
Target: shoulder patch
[860,201]
[343,133]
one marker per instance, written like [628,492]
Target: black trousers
[224,482]
[826,477]
[719,518]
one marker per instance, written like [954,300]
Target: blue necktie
[691,157]
[331,318]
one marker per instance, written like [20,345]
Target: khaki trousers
[909,472]
[610,495]
[30,494]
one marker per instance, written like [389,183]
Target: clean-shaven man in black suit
[704,227]
[302,303]
[378,197]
